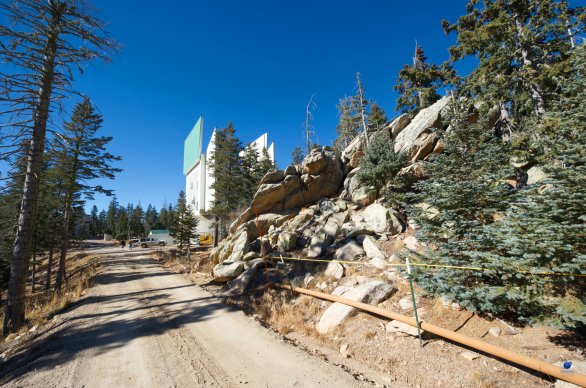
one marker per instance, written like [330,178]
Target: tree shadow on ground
[101,323]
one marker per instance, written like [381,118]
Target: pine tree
[379,167]
[81,158]
[418,84]
[122,226]
[163,221]
[111,217]
[348,125]
[225,165]
[376,118]
[136,220]
[297,155]
[353,113]
[184,228]
[251,171]
[265,164]
[466,191]
[101,223]
[544,229]
[151,218]
[522,47]
[94,222]
[42,52]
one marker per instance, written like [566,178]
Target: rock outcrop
[320,175]
[418,138]
[320,209]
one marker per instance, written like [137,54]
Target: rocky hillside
[319,208]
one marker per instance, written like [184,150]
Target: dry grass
[198,262]
[41,306]
[285,314]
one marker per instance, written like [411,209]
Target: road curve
[141,326]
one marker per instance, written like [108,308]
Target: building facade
[198,175]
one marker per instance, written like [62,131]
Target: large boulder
[227,271]
[372,249]
[335,270]
[239,285]
[349,251]
[317,245]
[380,219]
[321,175]
[415,139]
[234,247]
[370,291]
[287,241]
[398,124]
[364,196]
[301,219]
[273,176]
[264,222]
[535,174]
[240,248]
[414,172]
[422,146]
[354,152]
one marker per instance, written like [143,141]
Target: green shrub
[379,167]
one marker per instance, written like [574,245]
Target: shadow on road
[100,322]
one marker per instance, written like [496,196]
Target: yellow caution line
[425,265]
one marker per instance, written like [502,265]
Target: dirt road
[141,326]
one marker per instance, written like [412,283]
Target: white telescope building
[198,176]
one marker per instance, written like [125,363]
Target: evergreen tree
[250,172]
[81,158]
[41,48]
[544,228]
[184,228]
[151,218]
[353,113]
[136,220]
[101,223]
[417,85]
[122,225]
[94,222]
[265,164]
[226,167]
[466,191]
[522,47]
[163,221]
[379,167]
[111,219]
[376,118]
[297,155]
[349,124]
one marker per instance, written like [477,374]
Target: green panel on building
[192,147]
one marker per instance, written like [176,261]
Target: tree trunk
[534,88]
[34,270]
[49,268]
[64,246]
[21,254]
[216,233]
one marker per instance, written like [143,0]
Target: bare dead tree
[44,44]
[309,133]
[361,106]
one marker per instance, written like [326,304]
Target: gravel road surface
[141,326]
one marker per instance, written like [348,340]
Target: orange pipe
[519,359]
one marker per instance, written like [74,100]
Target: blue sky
[255,63]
